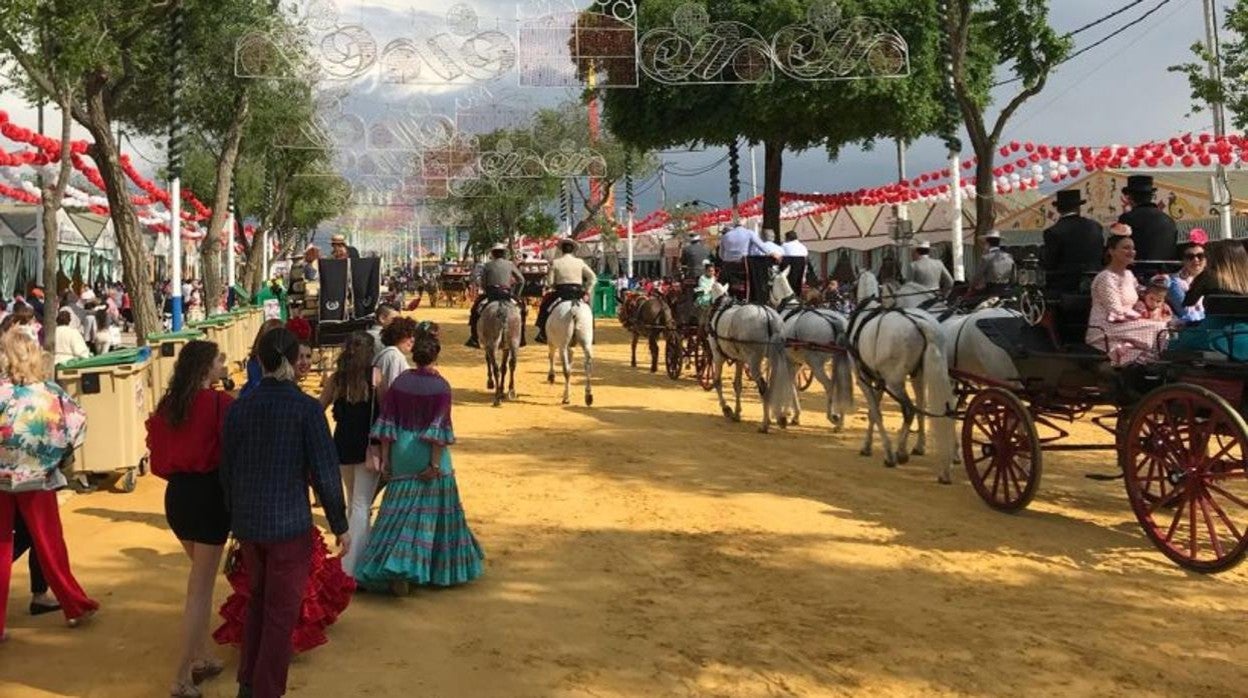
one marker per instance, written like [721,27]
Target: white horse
[571,321]
[747,334]
[812,337]
[891,345]
[499,329]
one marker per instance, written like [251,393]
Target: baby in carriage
[1152,303]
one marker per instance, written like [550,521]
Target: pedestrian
[350,392]
[279,443]
[184,438]
[40,425]
[254,371]
[421,535]
[69,342]
[397,337]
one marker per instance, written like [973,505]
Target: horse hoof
[944,480]
[736,417]
[783,423]
[864,452]
[589,400]
[903,458]
[918,451]
[891,463]
[727,412]
[762,430]
[566,401]
[550,378]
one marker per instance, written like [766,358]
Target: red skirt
[326,597]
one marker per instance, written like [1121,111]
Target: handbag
[233,557]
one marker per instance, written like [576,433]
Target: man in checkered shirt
[276,444]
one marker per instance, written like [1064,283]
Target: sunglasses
[1194,255]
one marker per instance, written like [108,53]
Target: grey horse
[500,330]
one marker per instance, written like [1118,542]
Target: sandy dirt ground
[648,547]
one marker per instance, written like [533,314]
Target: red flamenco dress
[326,597]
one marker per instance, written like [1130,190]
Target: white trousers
[359,510]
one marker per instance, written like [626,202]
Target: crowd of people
[238,472]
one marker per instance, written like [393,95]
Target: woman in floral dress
[39,425]
[421,535]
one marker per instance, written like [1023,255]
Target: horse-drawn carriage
[1176,423]
[534,273]
[456,286]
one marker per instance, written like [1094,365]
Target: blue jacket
[254,374]
[276,444]
[1226,336]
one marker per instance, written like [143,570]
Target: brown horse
[649,316]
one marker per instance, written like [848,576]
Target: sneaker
[472,343]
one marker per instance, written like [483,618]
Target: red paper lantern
[1205,159]
[1169,160]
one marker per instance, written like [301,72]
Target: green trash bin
[165,348]
[604,298]
[113,390]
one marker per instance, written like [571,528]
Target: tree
[786,114]
[986,33]
[1232,90]
[568,124]
[115,54]
[499,210]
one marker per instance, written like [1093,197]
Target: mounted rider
[571,278]
[499,278]
[996,272]
[929,273]
[692,256]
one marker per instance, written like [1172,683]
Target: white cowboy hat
[922,245]
[499,247]
[992,235]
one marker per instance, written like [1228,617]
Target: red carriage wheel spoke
[1181,445]
[1001,450]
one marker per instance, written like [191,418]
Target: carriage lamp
[1029,271]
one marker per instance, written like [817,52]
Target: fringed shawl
[418,402]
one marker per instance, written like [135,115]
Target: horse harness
[874,380]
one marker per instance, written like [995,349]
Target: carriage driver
[498,277]
[571,278]
[995,273]
[929,273]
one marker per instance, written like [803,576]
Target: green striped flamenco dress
[421,536]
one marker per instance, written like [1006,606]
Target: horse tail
[843,384]
[938,388]
[780,395]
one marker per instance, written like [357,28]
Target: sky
[1120,92]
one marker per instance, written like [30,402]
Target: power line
[1106,18]
[1100,41]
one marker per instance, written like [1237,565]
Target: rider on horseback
[498,276]
[572,279]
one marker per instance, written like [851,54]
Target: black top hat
[1139,184]
[1068,199]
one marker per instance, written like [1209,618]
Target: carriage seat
[1021,340]
[1072,314]
[1231,307]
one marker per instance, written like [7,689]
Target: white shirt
[794,248]
[70,344]
[740,242]
[772,248]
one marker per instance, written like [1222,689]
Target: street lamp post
[175,162]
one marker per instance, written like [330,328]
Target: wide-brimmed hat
[707,263]
[338,239]
[1139,184]
[992,235]
[1069,198]
[922,245]
[695,238]
[498,247]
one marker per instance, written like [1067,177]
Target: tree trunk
[253,272]
[52,196]
[985,195]
[774,156]
[136,269]
[210,248]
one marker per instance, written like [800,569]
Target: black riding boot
[473,316]
[543,312]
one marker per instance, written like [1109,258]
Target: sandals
[205,669]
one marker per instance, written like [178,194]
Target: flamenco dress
[421,535]
[328,592]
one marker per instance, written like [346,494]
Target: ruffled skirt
[327,595]
[421,536]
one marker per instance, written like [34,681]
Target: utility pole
[1221,193]
[175,161]
[900,211]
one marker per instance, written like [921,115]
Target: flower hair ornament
[1197,236]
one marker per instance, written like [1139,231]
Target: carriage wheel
[1001,450]
[673,357]
[1031,304]
[706,366]
[1183,463]
[805,376]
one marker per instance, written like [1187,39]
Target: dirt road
[648,547]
